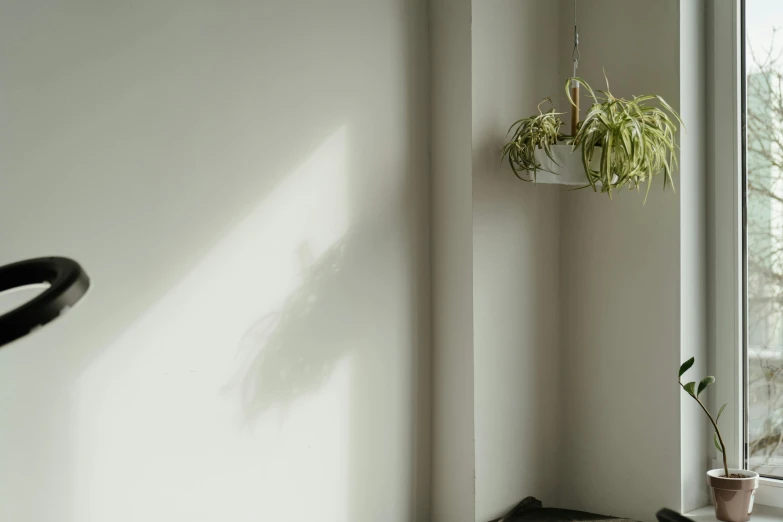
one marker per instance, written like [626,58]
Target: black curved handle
[68,283]
[667,515]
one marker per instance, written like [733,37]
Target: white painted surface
[695,432]
[620,290]
[724,217]
[453,496]
[760,514]
[516,256]
[770,493]
[564,167]
[247,185]
[256,345]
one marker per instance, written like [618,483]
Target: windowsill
[760,514]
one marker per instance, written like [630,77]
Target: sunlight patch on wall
[215,405]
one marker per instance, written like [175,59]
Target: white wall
[247,185]
[582,307]
[620,292]
[694,426]
[631,288]
[453,468]
[516,263]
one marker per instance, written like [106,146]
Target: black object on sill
[67,284]
[531,510]
[667,515]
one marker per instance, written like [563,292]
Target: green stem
[714,425]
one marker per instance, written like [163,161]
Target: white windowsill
[760,514]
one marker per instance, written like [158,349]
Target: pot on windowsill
[733,497]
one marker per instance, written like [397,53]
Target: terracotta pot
[733,497]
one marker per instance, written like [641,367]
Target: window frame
[728,268]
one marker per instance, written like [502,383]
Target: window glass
[764,234]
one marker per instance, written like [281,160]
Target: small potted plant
[621,143]
[733,490]
[537,145]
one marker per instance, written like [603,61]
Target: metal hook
[575,55]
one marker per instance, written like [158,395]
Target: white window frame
[726,271]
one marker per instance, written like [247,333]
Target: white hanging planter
[567,169]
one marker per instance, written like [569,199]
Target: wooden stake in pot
[574,107]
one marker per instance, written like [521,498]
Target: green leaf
[686,366]
[715,440]
[538,132]
[690,389]
[719,413]
[635,139]
[704,383]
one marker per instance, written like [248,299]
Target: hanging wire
[574,85]
[575,55]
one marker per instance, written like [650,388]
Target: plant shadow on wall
[331,315]
[293,351]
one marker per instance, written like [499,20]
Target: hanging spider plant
[635,140]
[623,142]
[537,132]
